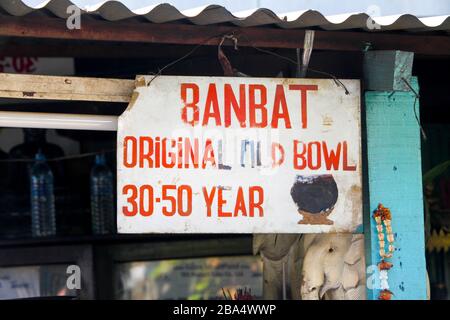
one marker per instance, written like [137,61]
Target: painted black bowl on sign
[315,197]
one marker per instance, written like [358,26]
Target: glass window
[34,281]
[193,279]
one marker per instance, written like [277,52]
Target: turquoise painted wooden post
[395,180]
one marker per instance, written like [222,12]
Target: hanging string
[70,157]
[416,97]
[235,43]
[335,79]
[188,54]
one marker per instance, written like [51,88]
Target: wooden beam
[65,88]
[395,180]
[123,31]
[29,47]
[386,70]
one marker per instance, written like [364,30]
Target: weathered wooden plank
[65,88]
[395,180]
[125,31]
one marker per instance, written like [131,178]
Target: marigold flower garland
[383,216]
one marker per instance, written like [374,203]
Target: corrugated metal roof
[215,14]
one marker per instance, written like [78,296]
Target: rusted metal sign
[239,155]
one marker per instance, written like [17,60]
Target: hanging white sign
[239,155]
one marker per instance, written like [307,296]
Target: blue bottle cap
[40,156]
[100,159]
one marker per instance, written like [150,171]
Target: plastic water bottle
[102,197]
[42,198]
